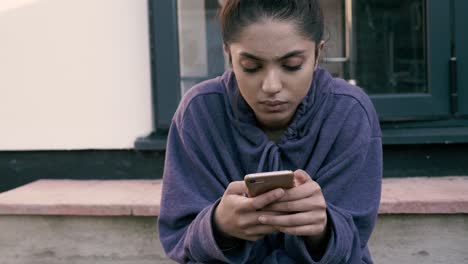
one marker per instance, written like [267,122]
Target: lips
[273,105]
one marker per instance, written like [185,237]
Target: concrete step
[114,221]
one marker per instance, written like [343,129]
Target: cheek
[300,85]
[247,87]
[248,83]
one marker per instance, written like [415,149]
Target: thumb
[236,187]
[301,177]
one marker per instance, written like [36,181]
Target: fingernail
[262,219]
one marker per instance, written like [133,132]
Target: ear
[227,53]
[320,48]
[226,49]
[321,45]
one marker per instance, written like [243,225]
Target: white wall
[74,74]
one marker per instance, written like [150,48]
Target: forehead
[270,39]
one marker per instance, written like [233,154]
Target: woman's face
[274,65]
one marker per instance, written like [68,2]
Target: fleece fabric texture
[214,140]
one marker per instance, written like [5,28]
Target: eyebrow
[287,55]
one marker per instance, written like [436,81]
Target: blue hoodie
[214,140]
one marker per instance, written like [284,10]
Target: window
[398,51]
[460,92]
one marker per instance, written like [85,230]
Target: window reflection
[387,43]
[390,46]
[200,42]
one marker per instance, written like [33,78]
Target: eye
[293,64]
[250,66]
[251,70]
[292,68]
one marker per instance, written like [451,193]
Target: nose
[272,82]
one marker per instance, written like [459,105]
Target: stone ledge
[440,195]
[83,197]
[422,195]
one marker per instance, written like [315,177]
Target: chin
[276,122]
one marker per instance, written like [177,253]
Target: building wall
[74,74]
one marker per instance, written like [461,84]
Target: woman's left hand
[306,208]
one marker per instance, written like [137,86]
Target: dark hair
[237,14]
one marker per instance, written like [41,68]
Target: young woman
[275,110]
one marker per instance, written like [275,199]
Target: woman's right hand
[236,216]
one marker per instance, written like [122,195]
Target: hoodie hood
[244,122]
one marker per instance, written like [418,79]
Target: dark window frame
[166,91]
[165,72]
[461,55]
[435,103]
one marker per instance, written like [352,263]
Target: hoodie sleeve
[350,178]
[191,191]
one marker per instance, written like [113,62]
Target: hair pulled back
[235,15]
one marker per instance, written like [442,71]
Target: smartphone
[258,183]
